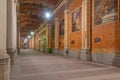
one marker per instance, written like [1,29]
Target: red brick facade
[108,34]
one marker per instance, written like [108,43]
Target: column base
[56,51]
[66,52]
[85,55]
[12,53]
[4,66]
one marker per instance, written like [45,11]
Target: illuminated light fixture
[29,37]
[47,15]
[25,40]
[32,33]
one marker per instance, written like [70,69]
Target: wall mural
[53,31]
[77,20]
[61,31]
[105,11]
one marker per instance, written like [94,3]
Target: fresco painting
[105,11]
[61,31]
[77,20]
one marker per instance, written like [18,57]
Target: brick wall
[75,41]
[109,34]
[117,37]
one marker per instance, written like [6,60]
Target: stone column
[66,32]
[85,52]
[4,58]
[11,30]
[56,35]
[49,35]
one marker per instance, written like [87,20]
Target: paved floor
[31,65]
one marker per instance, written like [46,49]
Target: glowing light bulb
[29,37]
[47,15]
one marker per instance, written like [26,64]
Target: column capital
[56,19]
[66,11]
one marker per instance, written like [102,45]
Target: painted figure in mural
[76,20]
[105,11]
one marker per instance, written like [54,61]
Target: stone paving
[33,65]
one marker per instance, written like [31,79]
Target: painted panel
[53,31]
[105,11]
[61,32]
[77,20]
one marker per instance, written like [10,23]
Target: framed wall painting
[61,29]
[53,31]
[77,20]
[105,11]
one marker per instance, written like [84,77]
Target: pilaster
[32,42]
[66,33]
[85,52]
[56,35]
[37,44]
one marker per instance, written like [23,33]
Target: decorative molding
[3,51]
[4,61]
[60,5]
[85,0]
[11,50]
[56,19]
[66,11]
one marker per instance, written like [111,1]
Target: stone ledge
[106,58]
[74,54]
[85,54]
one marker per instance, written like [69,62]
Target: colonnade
[8,37]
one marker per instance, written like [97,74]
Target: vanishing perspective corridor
[59,39]
[32,65]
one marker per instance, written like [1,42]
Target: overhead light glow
[32,33]
[25,40]
[47,14]
[29,37]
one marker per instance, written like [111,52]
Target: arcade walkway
[32,65]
